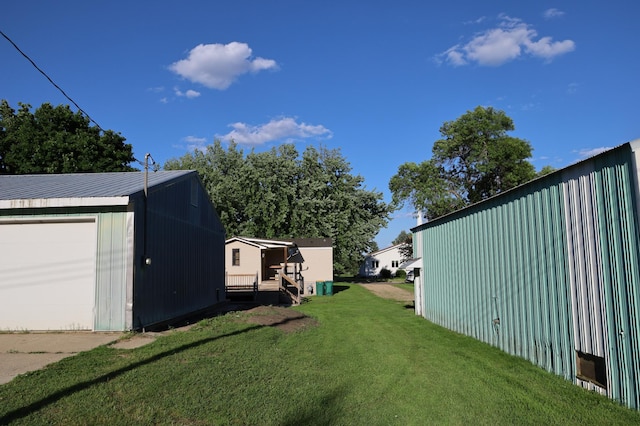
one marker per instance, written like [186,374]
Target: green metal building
[548,271]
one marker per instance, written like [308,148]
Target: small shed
[107,251]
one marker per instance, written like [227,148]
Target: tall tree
[474,160]
[405,240]
[280,194]
[57,140]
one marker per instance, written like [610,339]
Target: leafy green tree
[279,194]
[546,170]
[402,238]
[474,160]
[405,239]
[57,140]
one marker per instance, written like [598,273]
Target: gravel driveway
[389,291]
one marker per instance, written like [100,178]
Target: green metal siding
[111,272]
[546,270]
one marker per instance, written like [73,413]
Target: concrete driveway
[24,352]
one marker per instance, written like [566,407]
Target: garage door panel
[47,275]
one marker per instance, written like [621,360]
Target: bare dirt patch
[389,291]
[284,319]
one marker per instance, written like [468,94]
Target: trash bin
[328,288]
[320,288]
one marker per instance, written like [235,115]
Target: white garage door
[47,275]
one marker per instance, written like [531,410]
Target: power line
[50,80]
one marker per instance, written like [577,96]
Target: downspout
[146,261]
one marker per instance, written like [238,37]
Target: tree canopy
[57,140]
[279,194]
[474,160]
[405,239]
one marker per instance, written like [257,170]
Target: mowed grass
[369,361]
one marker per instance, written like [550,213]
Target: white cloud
[572,88]
[476,21]
[217,66]
[590,152]
[164,101]
[552,13]
[511,39]
[285,128]
[193,143]
[188,94]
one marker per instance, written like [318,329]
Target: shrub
[401,273]
[385,273]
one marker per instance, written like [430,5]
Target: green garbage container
[320,288]
[328,288]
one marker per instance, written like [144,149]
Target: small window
[375,264]
[394,263]
[592,369]
[235,257]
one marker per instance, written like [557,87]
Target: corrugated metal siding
[113,256]
[186,245]
[546,270]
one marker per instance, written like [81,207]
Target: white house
[388,258]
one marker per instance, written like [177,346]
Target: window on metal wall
[592,369]
[235,257]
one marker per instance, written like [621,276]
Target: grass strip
[369,361]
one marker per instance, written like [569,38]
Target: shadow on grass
[51,399]
[324,412]
[339,288]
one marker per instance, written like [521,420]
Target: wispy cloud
[511,39]
[552,13]
[476,21]
[590,152]
[286,128]
[188,94]
[194,143]
[217,66]
[572,88]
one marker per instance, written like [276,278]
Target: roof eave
[38,203]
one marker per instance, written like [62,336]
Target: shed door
[47,275]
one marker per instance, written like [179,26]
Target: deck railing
[241,283]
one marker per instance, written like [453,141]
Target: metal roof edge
[36,203]
[632,145]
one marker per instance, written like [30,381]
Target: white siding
[48,274]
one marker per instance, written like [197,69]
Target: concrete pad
[136,341]
[14,364]
[71,342]
[24,352]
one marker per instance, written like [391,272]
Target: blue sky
[374,79]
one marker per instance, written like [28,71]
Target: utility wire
[50,80]
[59,88]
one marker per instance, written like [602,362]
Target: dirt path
[389,291]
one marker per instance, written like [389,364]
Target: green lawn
[368,362]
